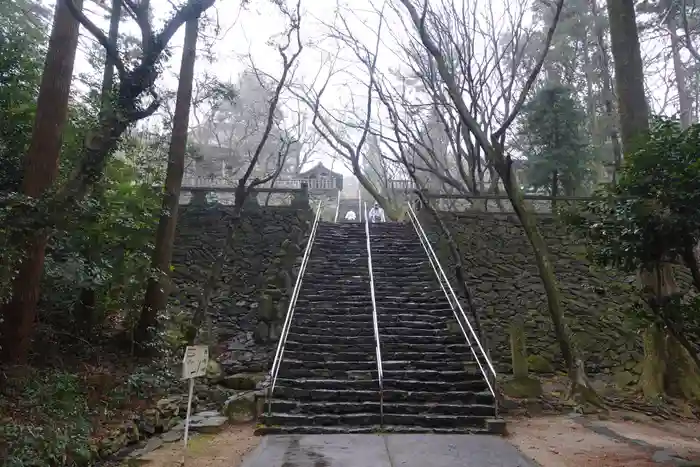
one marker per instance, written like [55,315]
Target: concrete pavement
[376,450]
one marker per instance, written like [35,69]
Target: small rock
[214,371]
[243,381]
[171,436]
[240,407]
[152,445]
[213,424]
[261,333]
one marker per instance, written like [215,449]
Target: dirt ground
[225,449]
[621,440]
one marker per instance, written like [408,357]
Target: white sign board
[194,363]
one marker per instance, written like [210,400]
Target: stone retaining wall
[250,303]
[504,280]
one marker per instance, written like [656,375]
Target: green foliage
[21,61]
[56,426]
[553,139]
[53,417]
[110,253]
[653,214]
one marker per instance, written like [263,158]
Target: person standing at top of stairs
[376,214]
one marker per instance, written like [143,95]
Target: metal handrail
[452,298]
[380,369]
[290,310]
[337,208]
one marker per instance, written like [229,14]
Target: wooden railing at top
[199,193]
[482,201]
[295,183]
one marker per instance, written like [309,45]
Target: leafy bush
[653,213]
[55,427]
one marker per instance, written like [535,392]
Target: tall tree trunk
[495,154]
[657,280]
[608,94]
[684,102]
[40,170]
[85,307]
[591,106]
[629,72]
[574,363]
[113,38]
[157,288]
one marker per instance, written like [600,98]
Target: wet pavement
[409,450]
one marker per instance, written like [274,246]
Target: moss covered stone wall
[504,281]
[249,305]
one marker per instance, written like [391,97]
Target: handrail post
[454,302]
[337,207]
[277,361]
[375,322]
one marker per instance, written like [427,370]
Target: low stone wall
[505,283]
[249,305]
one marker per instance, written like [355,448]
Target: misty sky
[244,35]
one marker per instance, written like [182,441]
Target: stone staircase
[431,380]
[328,379]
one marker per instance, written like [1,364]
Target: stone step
[333,281]
[340,255]
[401,269]
[330,365]
[435,296]
[346,345]
[433,420]
[436,319]
[327,430]
[340,347]
[307,355]
[390,396]
[362,286]
[361,316]
[445,371]
[316,287]
[404,278]
[443,339]
[339,299]
[289,406]
[389,384]
[438,375]
[297,335]
[427,365]
[473,385]
[306,321]
[330,327]
[400,330]
[460,348]
[316,430]
[364,419]
[341,269]
[349,419]
[349,373]
[311,275]
[330,384]
[389,304]
[468,397]
[337,245]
